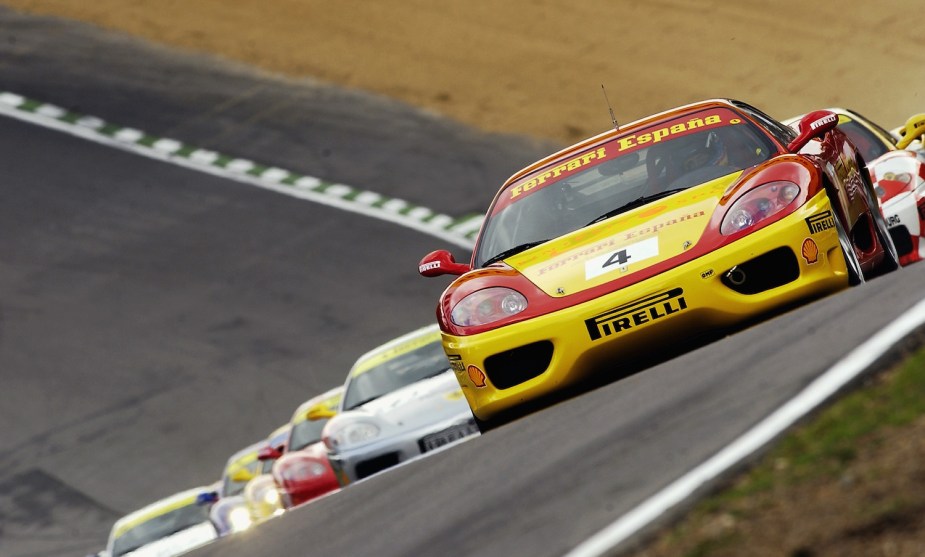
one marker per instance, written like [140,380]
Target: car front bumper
[648,316]
[366,460]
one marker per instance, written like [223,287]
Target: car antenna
[613,118]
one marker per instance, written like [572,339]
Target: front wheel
[890,260]
[855,273]
[890,255]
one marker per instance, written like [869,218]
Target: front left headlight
[271,497]
[300,469]
[757,205]
[348,435]
[487,306]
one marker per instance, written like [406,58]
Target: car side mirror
[269,453]
[441,262]
[206,498]
[242,475]
[813,125]
[319,413]
[914,129]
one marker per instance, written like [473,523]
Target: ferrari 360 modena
[698,219]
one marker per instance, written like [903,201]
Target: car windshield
[868,143]
[395,373]
[160,527]
[305,433]
[620,175]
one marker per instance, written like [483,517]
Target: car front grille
[369,467]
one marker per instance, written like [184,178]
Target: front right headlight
[758,204]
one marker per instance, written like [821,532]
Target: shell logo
[476,376]
[810,251]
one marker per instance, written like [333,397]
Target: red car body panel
[302,487]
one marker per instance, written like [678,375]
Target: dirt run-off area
[536,67]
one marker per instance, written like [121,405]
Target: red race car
[302,469]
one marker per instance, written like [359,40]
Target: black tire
[890,254]
[855,273]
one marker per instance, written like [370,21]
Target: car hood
[625,244]
[178,543]
[427,401]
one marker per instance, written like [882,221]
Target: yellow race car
[620,248]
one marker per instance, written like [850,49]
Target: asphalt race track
[153,320]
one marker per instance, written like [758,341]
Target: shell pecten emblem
[810,251]
[476,376]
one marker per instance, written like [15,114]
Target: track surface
[153,320]
[543,484]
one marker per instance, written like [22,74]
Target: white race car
[400,400]
[171,526]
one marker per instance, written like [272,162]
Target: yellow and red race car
[693,220]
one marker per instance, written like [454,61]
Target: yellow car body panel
[631,321]
[656,233]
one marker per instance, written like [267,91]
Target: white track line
[458,232]
[827,384]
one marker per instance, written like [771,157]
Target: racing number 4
[617,258]
[620,258]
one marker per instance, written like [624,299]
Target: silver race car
[400,400]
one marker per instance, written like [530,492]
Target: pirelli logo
[456,362]
[820,221]
[633,314]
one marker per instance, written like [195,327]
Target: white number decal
[611,261]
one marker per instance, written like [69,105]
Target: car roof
[620,130]
[278,435]
[243,457]
[155,509]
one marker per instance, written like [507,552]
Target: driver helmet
[699,151]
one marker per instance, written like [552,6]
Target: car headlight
[487,306]
[757,205]
[271,497]
[300,470]
[239,519]
[354,433]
